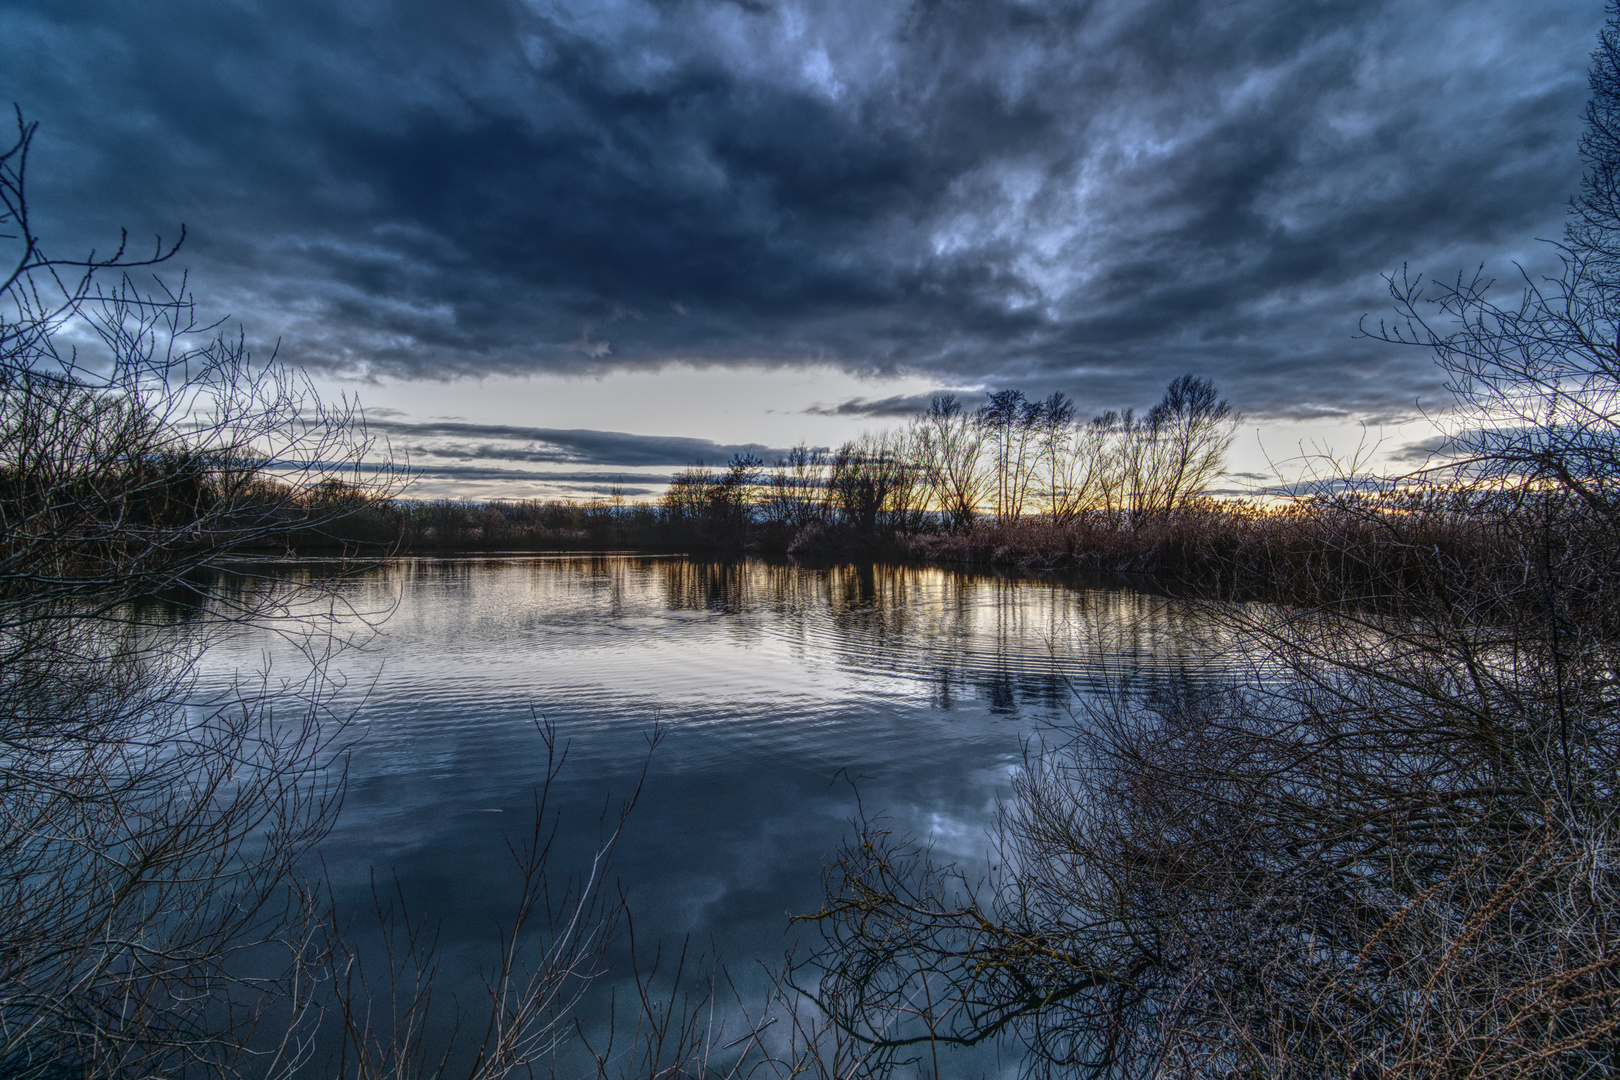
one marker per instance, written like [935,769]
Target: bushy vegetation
[1011,462]
[386,526]
[152,913]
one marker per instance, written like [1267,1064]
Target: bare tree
[1151,466]
[150,834]
[794,488]
[1079,461]
[1106,433]
[949,446]
[1140,475]
[687,497]
[1190,430]
[714,509]
[1593,228]
[874,485]
[1010,422]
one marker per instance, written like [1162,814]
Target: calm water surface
[779,690]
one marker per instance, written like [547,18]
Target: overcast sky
[610,237]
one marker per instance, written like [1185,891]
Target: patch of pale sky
[726,405]
[767,406]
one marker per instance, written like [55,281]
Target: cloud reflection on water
[781,689]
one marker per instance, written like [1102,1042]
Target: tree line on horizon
[948,469]
[1012,459]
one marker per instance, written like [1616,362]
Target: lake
[786,698]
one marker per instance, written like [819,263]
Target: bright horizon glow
[768,407]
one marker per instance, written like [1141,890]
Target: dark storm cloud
[1052,194]
[588,485]
[415,474]
[604,482]
[557,446]
[1436,448]
[581,481]
[899,405]
[1491,444]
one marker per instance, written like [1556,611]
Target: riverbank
[1345,549]
[1372,546]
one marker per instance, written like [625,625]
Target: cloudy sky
[603,238]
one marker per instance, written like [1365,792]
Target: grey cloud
[591,481]
[1035,193]
[1515,441]
[1336,485]
[1393,419]
[478,472]
[576,446]
[897,406]
[614,489]
[578,481]
[1426,450]
[414,470]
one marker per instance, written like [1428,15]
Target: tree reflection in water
[781,688]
